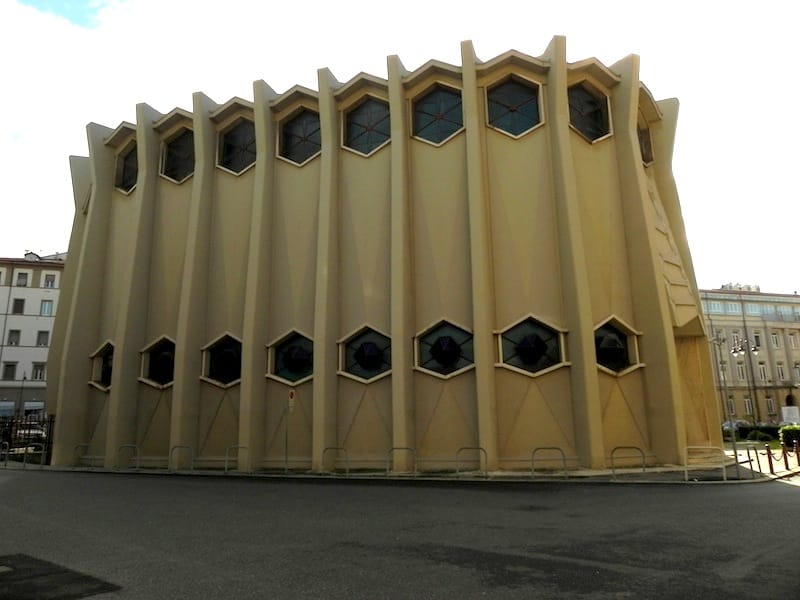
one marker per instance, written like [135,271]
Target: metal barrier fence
[18,434]
[714,449]
[614,451]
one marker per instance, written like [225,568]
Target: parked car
[736,424]
[28,433]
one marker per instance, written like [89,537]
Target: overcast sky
[730,63]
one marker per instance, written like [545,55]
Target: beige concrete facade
[506,269]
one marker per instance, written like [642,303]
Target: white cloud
[729,63]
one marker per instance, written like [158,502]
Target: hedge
[788,435]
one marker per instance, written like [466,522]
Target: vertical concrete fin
[326,313]
[88,254]
[402,283]
[574,276]
[194,286]
[650,302]
[131,327]
[252,410]
[483,309]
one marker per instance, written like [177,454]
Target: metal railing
[715,449]
[135,454]
[227,453]
[172,453]
[480,449]
[557,449]
[614,451]
[40,452]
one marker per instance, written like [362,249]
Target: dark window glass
[531,346]
[43,338]
[104,366]
[588,112]
[368,354]
[225,360]
[367,126]
[513,106]
[645,144]
[9,371]
[300,137]
[13,337]
[50,281]
[18,307]
[127,169]
[611,347]
[437,114]
[294,358]
[445,349]
[237,146]
[179,156]
[161,362]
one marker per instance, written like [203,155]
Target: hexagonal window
[293,358]
[367,354]
[438,115]
[611,346]
[127,169]
[158,362]
[178,156]
[367,126]
[513,106]
[222,360]
[531,345]
[445,349]
[102,365]
[300,137]
[588,111]
[237,146]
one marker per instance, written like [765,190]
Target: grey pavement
[183,537]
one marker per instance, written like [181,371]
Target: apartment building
[29,290]
[755,344]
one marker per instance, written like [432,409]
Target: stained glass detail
[294,358]
[611,347]
[300,137]
[179,156]
[532,346]
[514,106]
[237,146]
[588,111]
[367,354]
[445,349]
[438,115]
[367,126]
[224,360]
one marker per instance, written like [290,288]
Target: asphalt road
[180,537]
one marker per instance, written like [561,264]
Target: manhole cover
[23,577]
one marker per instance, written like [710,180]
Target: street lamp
[22,394]
[718,341]
[740,348]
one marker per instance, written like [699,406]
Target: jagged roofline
[121,135]
[173,118]
[515,58]
[296,93]
[648,105]
[362,81]
[231,107]
[596,69]
[365,81]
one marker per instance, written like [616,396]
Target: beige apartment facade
[755,345]
[455,267]
[29,294]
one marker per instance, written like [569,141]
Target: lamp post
[22,394]
[741,348]
[718,341]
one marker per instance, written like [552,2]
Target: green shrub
[759,436]
[790,433]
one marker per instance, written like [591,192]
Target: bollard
[797,451]
[785,456]
[769,459]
